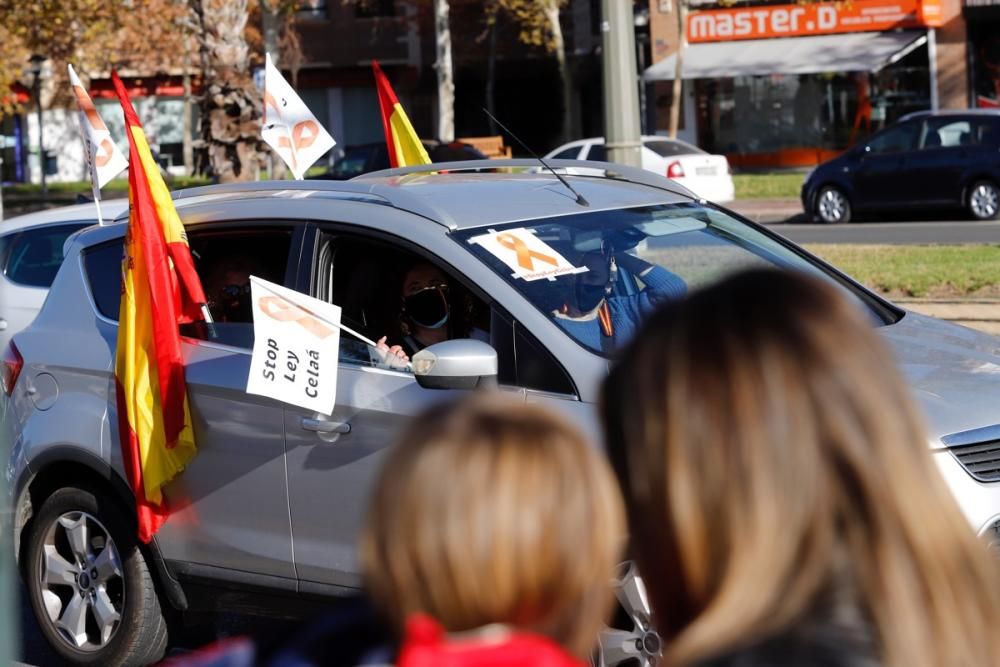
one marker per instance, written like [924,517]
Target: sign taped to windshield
[296,346]
[527,255]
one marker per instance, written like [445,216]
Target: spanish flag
[160,290]
[401,139]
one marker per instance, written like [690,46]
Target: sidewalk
[769,210]
[981,314]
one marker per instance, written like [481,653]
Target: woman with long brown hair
[783,506]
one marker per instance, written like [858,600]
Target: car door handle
[323,426]
[3,324]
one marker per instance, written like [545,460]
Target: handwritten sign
[289,127]
[527,255]
[296,346]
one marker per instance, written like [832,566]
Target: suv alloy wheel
[630,639]
[88,582]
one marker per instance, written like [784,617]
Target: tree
[143,34]
[445,75]
[540,26]
[230,105]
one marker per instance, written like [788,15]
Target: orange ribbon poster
[527,255]
[296,346]
[289,127]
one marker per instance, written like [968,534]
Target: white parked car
[31,250]
[704,174]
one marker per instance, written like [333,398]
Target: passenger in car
[428,314]
[596,317]
[783,505]
[228,289]
[509,561]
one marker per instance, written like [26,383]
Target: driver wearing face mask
[601,320]
[426,310]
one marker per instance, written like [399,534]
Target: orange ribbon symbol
[88,108]
[278,309]
[103,155]
[524,253]
[299,139]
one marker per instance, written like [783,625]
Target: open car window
[598,275]
[369,279]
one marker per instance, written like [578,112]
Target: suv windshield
[598,275]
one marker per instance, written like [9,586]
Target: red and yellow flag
[160,290]
[401,139]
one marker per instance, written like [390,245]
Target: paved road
[897,233]
[35,652]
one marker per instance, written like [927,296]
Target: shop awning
[848,52]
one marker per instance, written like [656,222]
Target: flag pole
[213,333]
[97,203]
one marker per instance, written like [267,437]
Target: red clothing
[426,645]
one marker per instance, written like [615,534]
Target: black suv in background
[948,159]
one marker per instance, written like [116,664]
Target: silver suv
[273,500]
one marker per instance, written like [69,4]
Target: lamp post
[640,19]
[36,70]
[622,133]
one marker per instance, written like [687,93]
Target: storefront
[793,85]
[983,21]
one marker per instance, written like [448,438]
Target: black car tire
[982,200]
[832,206]
[139,637]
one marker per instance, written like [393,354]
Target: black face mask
[588,296]
[427,308]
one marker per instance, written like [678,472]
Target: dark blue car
[948,159]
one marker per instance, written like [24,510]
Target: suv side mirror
[456,364]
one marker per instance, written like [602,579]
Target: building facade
[774,85]
[339,42]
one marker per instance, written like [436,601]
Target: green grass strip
[918,270]
[768,186]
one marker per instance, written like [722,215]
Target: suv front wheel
[89,584]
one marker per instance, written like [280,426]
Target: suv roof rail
[611,170]
[367,185]
[318,185]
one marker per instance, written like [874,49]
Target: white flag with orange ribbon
[289,127]
[104,160]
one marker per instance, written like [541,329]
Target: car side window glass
[567,154]
[33,257]
[896,139]
[103,267]
[225,259]
[537,368]
[386,291]
[598,153]
[948,133]
[986,132]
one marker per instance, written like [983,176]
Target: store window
[983,24]
[366,9]
[827,111]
